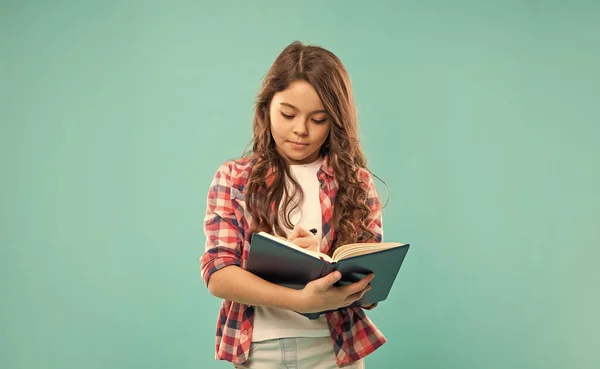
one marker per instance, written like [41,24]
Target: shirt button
[245,332]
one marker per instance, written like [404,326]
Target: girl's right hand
[320,295]
[303,238]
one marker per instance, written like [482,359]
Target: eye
[288,117]
[319,121]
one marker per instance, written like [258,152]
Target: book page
[357,249]
[287,243]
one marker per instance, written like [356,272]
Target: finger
[358,286]
[325,283]
[294,234]
[298,232]
[304,242]
[357,296]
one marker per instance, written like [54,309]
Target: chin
[298,158]
[295,156]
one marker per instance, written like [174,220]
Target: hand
[303,238]
[320,295]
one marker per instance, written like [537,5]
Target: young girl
[306,171]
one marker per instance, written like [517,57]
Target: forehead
[301,95]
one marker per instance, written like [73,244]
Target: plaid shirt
[227,227]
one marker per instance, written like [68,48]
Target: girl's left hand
[303,238]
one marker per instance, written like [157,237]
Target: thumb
[326,282]
[296,232]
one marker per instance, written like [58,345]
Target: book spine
[328,268]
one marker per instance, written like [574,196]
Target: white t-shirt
[270,322]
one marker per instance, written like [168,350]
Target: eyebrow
[295,108]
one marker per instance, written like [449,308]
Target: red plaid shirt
[227,227]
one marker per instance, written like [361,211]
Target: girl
[306,170]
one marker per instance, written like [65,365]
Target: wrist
[294,300]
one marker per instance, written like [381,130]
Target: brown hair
[328,76]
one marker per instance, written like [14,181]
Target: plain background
[481,116]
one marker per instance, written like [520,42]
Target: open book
[282,262]
[342,252]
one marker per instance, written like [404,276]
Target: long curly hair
[328,76]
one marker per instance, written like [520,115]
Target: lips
[298,145]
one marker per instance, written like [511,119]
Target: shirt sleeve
[222,228]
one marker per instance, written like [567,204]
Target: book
[284,263]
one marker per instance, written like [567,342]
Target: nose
[300,127]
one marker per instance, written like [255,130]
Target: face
[299,123]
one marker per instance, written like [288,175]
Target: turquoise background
[482,117]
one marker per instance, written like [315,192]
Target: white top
[270,322]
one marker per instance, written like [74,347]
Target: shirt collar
[326,169]
[326,166]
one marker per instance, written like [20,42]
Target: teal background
[481,116]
